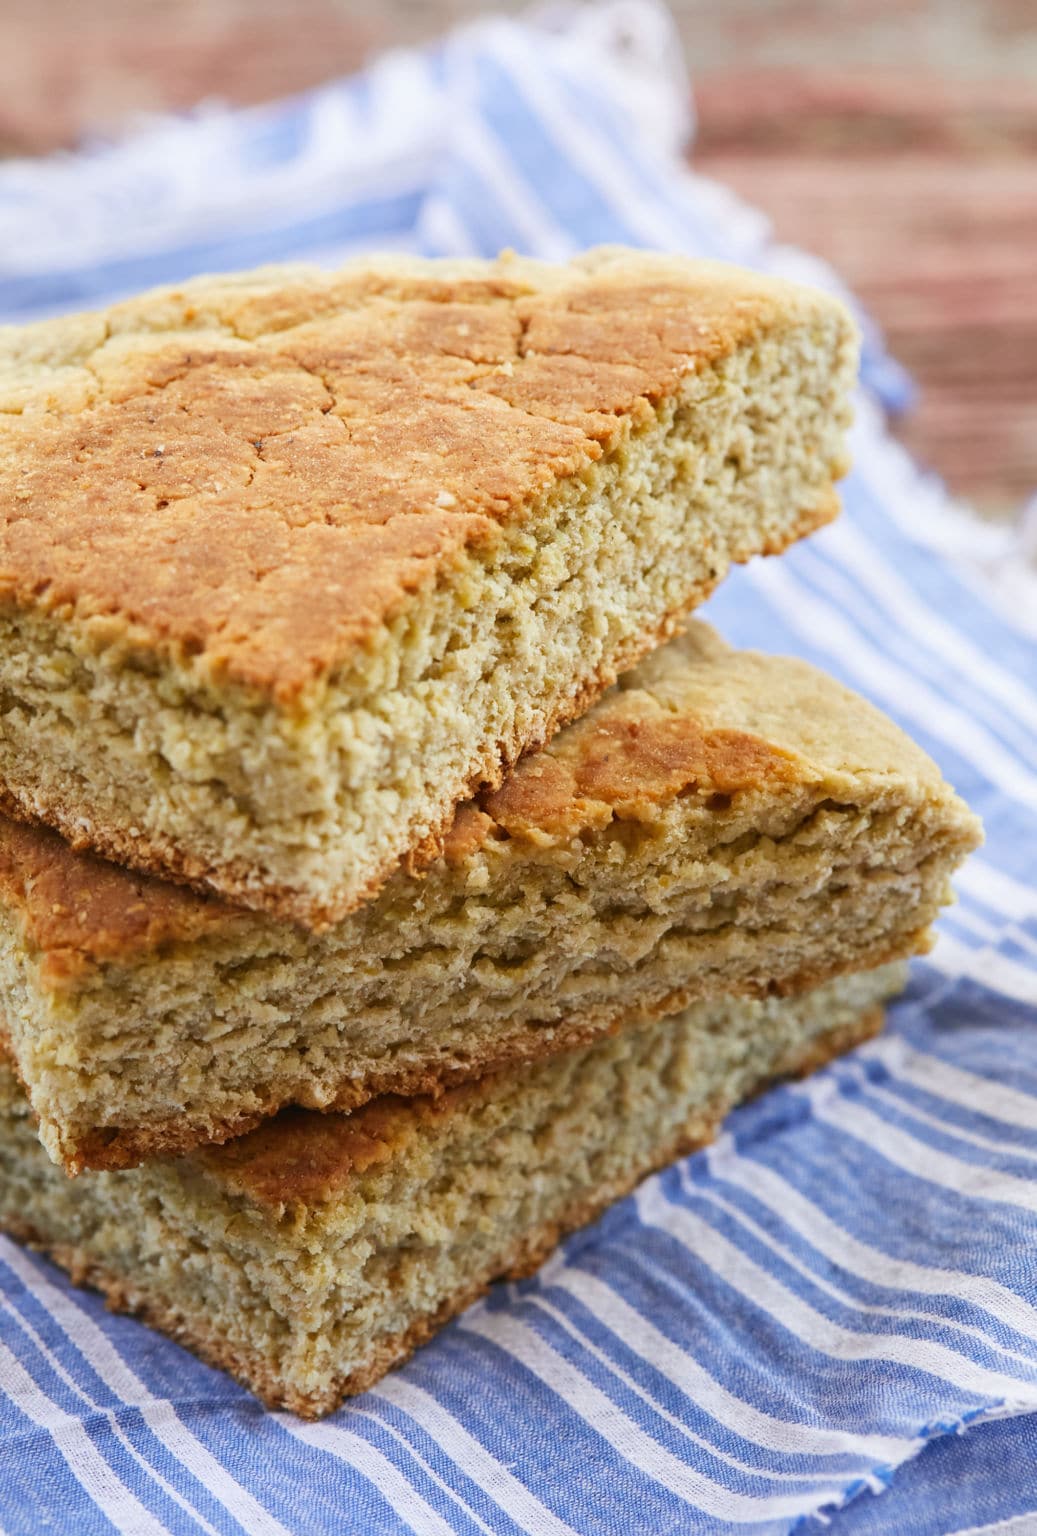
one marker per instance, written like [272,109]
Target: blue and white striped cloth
[765,1337]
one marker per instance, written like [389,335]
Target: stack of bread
[392,873]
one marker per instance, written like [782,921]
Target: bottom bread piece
[313,1254]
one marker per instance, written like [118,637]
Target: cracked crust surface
[261,471]
[293,563]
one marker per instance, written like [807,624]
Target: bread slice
[722,824]
[312,1255]
[293,562]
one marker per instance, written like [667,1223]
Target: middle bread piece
[722,823]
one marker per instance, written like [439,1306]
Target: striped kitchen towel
[829,1319]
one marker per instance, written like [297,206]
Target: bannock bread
[312,1255]
[722,823]
[293,562]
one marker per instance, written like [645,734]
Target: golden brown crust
[79,910]
[622,762]
[526,1255]
[261,479]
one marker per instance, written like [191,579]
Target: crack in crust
[269,497]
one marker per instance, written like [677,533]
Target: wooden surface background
[896,137]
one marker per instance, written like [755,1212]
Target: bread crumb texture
[723,824]
[311,1256]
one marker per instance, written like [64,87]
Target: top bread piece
[292,561]
[257,472]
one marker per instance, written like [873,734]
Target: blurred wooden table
[925,199]
[896,137]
